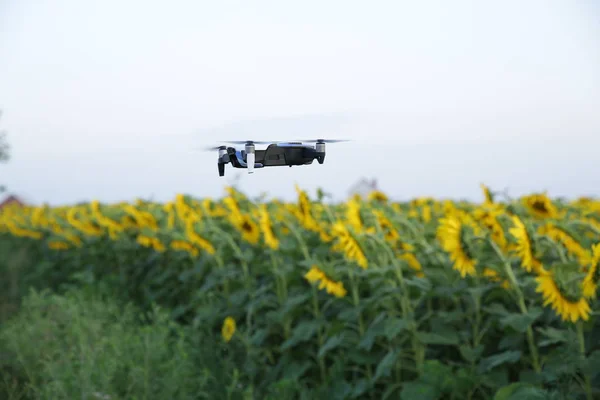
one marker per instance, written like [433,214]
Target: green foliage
[396,333]
[82,345]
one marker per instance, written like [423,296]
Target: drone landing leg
[221,169]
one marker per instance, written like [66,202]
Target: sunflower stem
[521,303]
[557,246]
[361,323]
[245,269]
[220,263]
[581,339]
[280,287]
[418,347]
[301,242]
[317,314]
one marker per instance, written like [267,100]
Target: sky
[114,100]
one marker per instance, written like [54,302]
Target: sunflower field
[371,298]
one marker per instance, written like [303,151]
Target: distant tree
[4,147]
[4,151]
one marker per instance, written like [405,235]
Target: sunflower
[267,229]
[228,329]
[58,245]
[249,229]
[128,222]
[152,242]
[184,246]
[426,213]
[73,239]
[451,234]
[314,274]
[495,277]
[524,247]
[421,201]
[233,206]
[39,218]
[590,282]
[573,247]
[82,224]
[113,226]
[353,215]
[348,245]
[413,263]
[390,233]
[487,194]
[540,206]
[324,236]
[193,237]
[569,306]
[413,212]
[303,212]
[303,202]
[378,196]
[211,210]
[332,287]
[488,218]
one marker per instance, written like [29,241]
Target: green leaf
[330,344]
[393,326]
[360,388]
[492,362]
[295,370]
[293,301]
[449,338]
[552,336]
[339,389]
[471,354]
[350,314]
[420,283]
[375,329]
[438,375]
[303,332]
[259,337]
[479,291]
[520,322]
[364,358]
[520,391]
[384,368]
[592,364]
[496,309]
[419,390]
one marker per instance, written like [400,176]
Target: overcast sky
[111,99]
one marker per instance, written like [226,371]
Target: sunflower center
[246,227]
[540,206]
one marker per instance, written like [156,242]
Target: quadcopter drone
[277,154]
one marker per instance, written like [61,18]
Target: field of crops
[371,298]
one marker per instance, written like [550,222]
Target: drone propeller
[290,142]
[324,140]
[248,141]
[212,148]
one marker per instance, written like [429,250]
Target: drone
[277,154]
